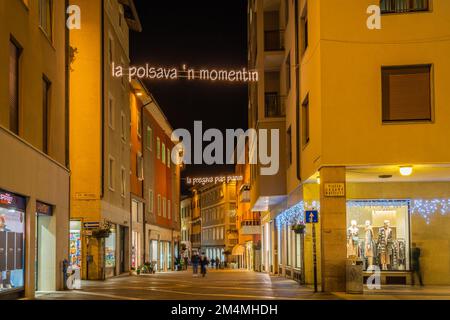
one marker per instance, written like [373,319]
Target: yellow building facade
[34,179]
[368,124]
[100,138]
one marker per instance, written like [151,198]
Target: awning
[238,250]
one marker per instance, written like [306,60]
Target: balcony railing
[274,40]
[275,105]
[401,6]
[250,223]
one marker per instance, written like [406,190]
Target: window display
[75,244]
[378,234]
[110,249]
[12,242]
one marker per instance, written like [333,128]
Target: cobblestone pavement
[227,285]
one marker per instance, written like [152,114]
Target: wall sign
[43,209]
[334,189]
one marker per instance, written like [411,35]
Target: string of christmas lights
[423,208]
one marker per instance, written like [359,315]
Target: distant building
[218,211]
[156,181]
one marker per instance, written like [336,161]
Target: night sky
[200,33]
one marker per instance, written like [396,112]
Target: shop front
[12,243]
[110,253]
[378,235]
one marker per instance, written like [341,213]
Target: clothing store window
[378,233]
[12,242]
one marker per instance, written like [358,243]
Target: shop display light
[424,208]
[406,171]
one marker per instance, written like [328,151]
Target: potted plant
[103,232]
[299,228]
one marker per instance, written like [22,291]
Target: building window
[150,201]
[139,124]
[305,121]
[168,158]
[288,73]
[286,12]
[407,93]
[110,50]
[163,152]
[289,145]
[149,139]
[111,112]
[111,180]
[176,212]
[123,127]
[14,59]
[46,16]
[123,184]
[305,30]
[159,205]
[169,212]
[140,166]
[158,148]
[164,208]
[401,6]
[46,85]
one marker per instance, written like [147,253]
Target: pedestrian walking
[217,263]
[195,262]
[186,262]
[415,264]
[203,264]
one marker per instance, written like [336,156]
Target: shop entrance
[45,248]
[123,249]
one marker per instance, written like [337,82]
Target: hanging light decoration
[296,213]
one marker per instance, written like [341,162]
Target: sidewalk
[400,293]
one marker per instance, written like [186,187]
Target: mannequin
[384,244]
[352,240]
[368,247]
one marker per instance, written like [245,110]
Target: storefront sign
[9,200]
[43,209]
[85,196]
[334,189]
[91,225]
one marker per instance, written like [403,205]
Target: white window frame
[159,205]
[123,126]
[123,184]
[151,201]
[149,138]
[158,148]
[111,171]
[164,207]
[169,207]
[111,112]
[140,166]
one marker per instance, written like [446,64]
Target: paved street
[225,285]
[218,285]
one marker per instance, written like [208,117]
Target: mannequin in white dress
[352,240]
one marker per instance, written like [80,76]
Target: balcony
[250,227]
[275,105]
[404,6]
[274,40]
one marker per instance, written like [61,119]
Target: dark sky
[200,33]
